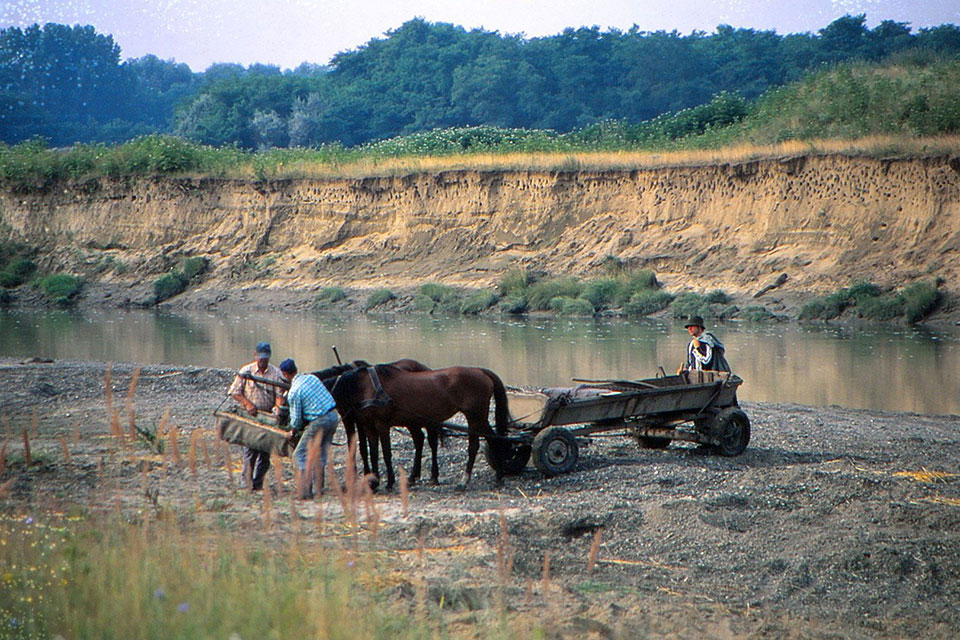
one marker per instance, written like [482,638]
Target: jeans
[325,426]
[255,466]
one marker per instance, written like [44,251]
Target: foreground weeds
[101,577]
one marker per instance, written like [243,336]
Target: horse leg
[417,434]
[473,447]
[387,455]
[433,438]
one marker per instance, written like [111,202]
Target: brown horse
[425,399]
[367,445]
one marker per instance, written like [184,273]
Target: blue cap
[288,366]
[263,349]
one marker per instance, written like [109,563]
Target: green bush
[22,267]
[9,280]
[602,293]
[61,288]
[437,292]
[377,298]
[167,286]
[647,302]
[177,281]
[540,294]
[513,305]
[16,273]
[5,296]
[889,307]
[330,295]
[718,296]
[687,305]
[757,314]
[920,299]
[190,268]
[576,307]
[479,302]
[423,303]
[827,307]
[514,282]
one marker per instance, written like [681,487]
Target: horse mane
[340,368]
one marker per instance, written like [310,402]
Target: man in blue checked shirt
[312,411]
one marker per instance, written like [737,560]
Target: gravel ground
[822,528]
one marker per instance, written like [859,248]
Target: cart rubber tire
[731,427]
[555,451]
[653,442]
[518,454]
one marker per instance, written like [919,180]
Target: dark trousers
[255,466]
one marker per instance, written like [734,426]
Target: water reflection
[883,368]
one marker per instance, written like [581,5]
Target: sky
[288,32]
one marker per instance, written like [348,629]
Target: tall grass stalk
[404,492]
[102,578]
[594,550]
[64,449]
[28,459]
[108,388]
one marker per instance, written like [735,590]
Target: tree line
[68,84]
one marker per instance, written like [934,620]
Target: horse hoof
[461,487]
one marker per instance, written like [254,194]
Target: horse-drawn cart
[696,406]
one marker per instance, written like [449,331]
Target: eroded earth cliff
[825,221]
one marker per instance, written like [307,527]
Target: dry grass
[926,476]
[594,550]
[27,457]
[871,146]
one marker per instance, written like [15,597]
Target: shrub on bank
[712,305]
[177,281]
[647,302]
[540,294]
[329,295]
[479,302]
[913,304]
[513,305]
[514,282]
[378,297]
[921,299]
[61,288]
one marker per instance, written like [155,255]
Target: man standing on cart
[705,351]
[256,397]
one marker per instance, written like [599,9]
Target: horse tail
[502,411]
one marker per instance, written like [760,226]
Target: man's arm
[236,392]
[296,410]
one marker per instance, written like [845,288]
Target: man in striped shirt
[313,411]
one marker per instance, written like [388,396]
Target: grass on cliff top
[32,167]
[908,106]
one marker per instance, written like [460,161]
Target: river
[883,367]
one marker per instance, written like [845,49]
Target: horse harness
[381,398]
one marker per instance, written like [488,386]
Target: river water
[888,368]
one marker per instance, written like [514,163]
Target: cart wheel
[555,451]
[732,428]
[515,457]
[653,442]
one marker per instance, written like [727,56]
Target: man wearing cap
[705,351]
[256,397]
[313,411]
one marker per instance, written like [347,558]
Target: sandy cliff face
[824,221]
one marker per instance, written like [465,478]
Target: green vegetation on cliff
[906,105]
